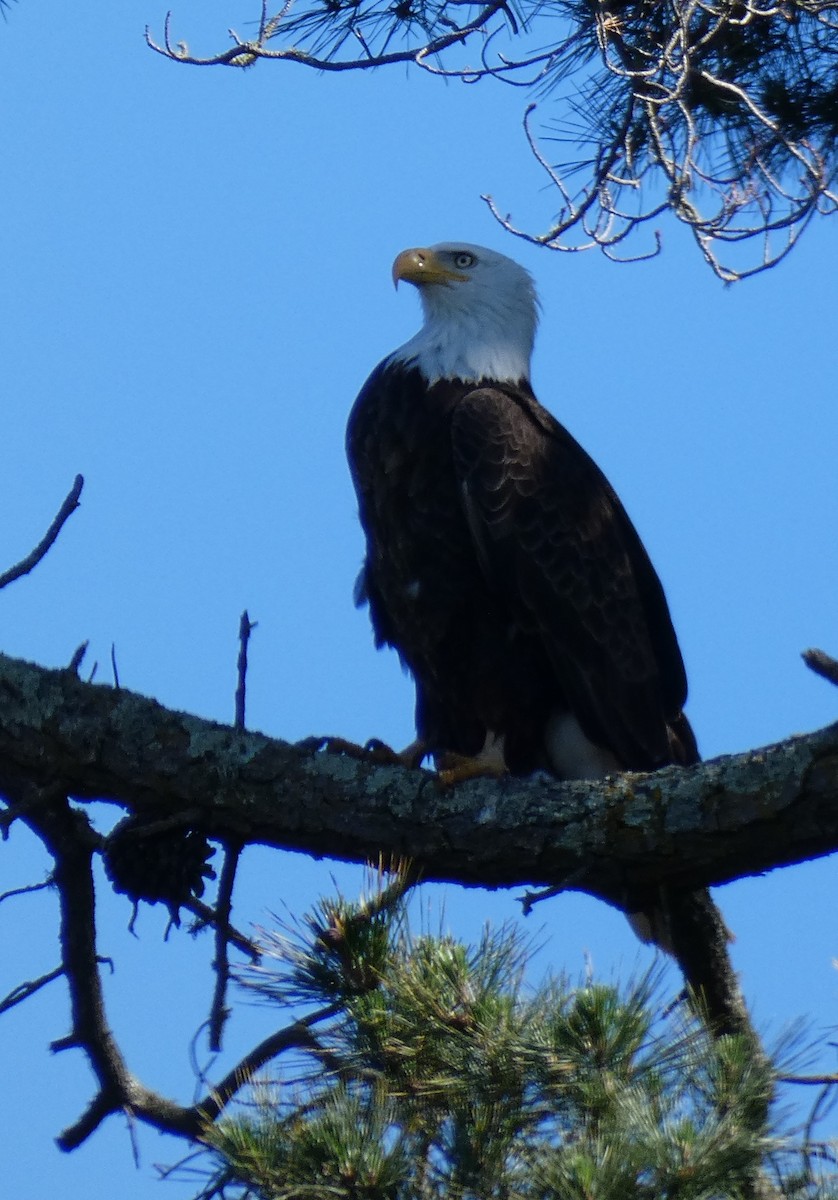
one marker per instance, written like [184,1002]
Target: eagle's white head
[480,309]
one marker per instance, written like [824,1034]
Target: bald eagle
[500,562]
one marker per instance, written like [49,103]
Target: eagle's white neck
[474,332]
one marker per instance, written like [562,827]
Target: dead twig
[822,664]
[232,851]
[24,990]
[221,964]
[71,503]
[810,1080]
[29,887]
[246,627]
[77,658]
[207,916]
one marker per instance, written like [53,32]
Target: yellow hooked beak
[420,267]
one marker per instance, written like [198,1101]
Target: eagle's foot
[382,754]
[374,751]
[456,768]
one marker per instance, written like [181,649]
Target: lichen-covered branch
[680,828]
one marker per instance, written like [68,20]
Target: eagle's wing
[554,540]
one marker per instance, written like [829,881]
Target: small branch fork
[67,834]
[205,915]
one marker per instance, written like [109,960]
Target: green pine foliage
[436,1070]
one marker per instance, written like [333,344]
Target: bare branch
[71,503]
[25,891]
[232,851]
[246,627]
[723,114]
[221,964]
[207,916]
[24,990]
[67,835]
[822,664]
[78,657]
[297,1036]
[245,53]
[812,1080]
[17,808]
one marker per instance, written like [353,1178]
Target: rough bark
[679,828]
[671,834]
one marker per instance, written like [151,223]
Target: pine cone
[169,866]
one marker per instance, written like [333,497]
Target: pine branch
[723,114]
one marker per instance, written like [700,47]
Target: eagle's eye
[463,260]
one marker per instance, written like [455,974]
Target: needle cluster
[441,1073]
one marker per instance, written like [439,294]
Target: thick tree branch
[672,832]
[683,829]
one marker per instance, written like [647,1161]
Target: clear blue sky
[195,282]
